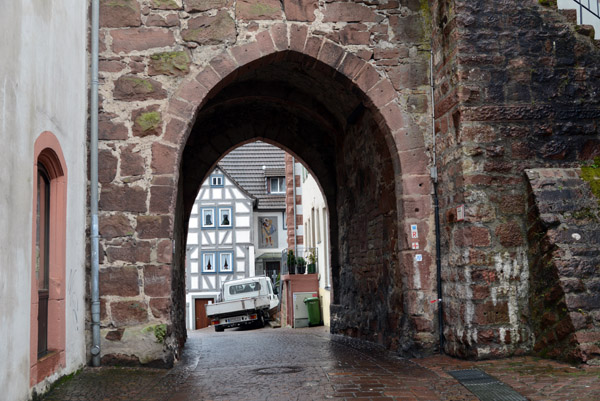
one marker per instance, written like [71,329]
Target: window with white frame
[277,185]
[208,263]
[226,265]
[216,180]
[208,218]
[225,218]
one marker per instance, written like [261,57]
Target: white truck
[242,302]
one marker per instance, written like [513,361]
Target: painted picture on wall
[267,232]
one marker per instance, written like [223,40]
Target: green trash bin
[314,312]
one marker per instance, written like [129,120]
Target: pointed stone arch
[159,222]
[407,155]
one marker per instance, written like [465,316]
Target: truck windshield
[244,288]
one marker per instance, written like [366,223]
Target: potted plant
[312,263]
[291,262]
[301,264]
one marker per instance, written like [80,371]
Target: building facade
[316,235]
[219,242]
[43,112]
[237,225]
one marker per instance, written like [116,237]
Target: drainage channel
[484,386]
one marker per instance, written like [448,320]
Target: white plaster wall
[43,75]
[312,198]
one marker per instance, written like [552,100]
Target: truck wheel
[219,328]
[260,322]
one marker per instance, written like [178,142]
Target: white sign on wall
[414,232]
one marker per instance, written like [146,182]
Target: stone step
[586,30]
[274,324]
[570,15]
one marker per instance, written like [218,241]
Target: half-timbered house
[237,225]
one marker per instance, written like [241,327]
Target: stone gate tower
[345,88]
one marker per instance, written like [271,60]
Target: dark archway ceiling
[296,102]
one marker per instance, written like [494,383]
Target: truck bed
[229,308]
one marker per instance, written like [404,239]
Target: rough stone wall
[368,229]
[564,249]
[160,60]
[516,88]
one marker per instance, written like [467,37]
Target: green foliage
[547,3]
[591,174]
[148,121]
[291,259]
[160,332]
[301,261]
[168,61]
[312,258]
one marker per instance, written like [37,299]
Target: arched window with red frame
[47,346]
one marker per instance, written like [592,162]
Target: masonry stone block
[509,234]
[280,36]
[131,251]
[175,63]
[149,227]
[130,88]
[491,313]
[157,280]
[160,307]
[164,251]
[107,163]
[161,199]
[211,30]
[127,40]
[126,313]
[164,158]
[300,10]
[247,53]
[167,4]
[115,225]
[132,162]
[258,9]
[472,236]
[165,21]
[147,121]
[108,130]
[122,198]
[119,281]
[206,5]
[174,131]
[348,12]
[120,13]
[110,66]
[355,34]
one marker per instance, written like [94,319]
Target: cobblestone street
[309,364]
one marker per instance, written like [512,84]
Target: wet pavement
[310,364]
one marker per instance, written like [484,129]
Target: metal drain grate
[484,386]
[278,370]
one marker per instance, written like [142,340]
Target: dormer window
[276,185]
[216,180]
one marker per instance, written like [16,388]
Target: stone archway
[352,127]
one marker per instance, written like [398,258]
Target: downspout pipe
[436,207]
[95,350]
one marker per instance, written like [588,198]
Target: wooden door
[201,319]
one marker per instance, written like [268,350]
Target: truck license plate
[233,319]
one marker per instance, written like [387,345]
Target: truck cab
[242,302]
